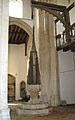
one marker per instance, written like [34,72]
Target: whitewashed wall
[67,76]
[17,65]
[67,64]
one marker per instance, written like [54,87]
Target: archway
[26,26]
[17,58]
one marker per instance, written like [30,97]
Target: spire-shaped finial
[33,73]
[33,41]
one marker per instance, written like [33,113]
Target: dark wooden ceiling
[17,35]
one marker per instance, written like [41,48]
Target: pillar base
[5,114]
[55,100]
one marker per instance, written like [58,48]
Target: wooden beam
[56,15]
[66,46]
[62,15]
[67,25]
[44,5]
[70,7]
[54,9]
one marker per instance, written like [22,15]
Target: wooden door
[11,88]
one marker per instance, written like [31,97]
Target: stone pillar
[4,22]
[44,56]
[54,67]
[27,9]
[54,79]
[47,57]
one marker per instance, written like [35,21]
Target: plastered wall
[67,64]
[67,76]
[17,65]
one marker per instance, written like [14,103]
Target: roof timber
[55,10]
[44,5]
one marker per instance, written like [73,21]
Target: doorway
[11,88]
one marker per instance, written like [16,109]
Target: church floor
[59,113]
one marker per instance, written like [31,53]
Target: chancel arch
[20,39]
[22,24]
[25,26]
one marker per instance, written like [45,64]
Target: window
[16,8]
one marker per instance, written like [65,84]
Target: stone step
[33,112]
[33,109]
[32,106]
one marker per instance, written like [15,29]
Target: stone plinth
[40,108]
[35,106]
[34,93]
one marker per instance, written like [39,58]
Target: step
[33,109]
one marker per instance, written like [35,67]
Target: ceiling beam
[68,9]
[44,5]
[55,10]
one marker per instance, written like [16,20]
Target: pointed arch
[25,26]
[22,24]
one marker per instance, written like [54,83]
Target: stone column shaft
[54,80]
[47,56]
[4,22]
[44,55]
[27,9]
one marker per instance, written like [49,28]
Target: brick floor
[58,113]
